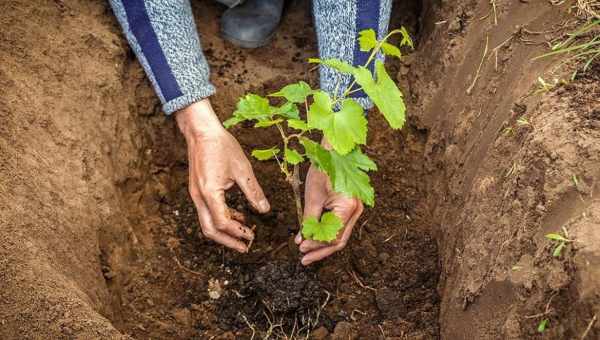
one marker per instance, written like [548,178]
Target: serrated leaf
[384,93]
[252,106]
[232,121]
[346,172]
[389,49]
[325,230]
[334,63]
[367,39]
[298,124]
[287,110]
[558,250]
[292,156]
[317,155]
[349,176]
[556,237]
[295,93]
[265,154]
[343,129]
[267,123]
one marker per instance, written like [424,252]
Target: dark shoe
[252,24]
[230,3]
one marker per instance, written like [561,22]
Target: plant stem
[295,183]
[294,177]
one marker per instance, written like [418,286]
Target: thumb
[253,192]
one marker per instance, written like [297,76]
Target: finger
[236,229]
[253,191]
[298,238]
[236,215]
[321,253]
[209,230]
[228,241]
[221,216]
[310,245]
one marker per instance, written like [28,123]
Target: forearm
[163,35]
[338,24]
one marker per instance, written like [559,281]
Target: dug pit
[100,240]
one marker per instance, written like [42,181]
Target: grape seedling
[341,121]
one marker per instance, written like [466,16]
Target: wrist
[198,120]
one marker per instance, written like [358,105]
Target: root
[470,89]
[589,327]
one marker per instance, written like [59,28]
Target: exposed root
[589,327]
[485,51]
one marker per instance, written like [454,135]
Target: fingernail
[304,261]
[264,205]
[298,238]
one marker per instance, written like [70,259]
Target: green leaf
[295,93]
[389,49]
[543,325]
[325,230]
[384,93]
[558,250]
[265,154]
[346,172]
[253,107]
[232,121]
[556,237]
[406,40]
[343,129]
[267,123]
[287,110]
[367,39]
[292,156]
[320,157]
[335,64]
[349,176]
[298,124]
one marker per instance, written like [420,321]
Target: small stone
[343,331]
[319,333]
[109,275]
[214,289]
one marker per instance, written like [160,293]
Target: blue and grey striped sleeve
[163,35]
[337,24]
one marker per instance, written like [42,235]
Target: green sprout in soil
[543,325]
[341,121]
[583,45]
[560,242]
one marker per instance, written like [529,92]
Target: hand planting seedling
[341,121]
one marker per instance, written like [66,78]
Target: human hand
[319,196]
[216,162]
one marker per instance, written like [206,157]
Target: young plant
[543,325]
[583,45]
[560,242]
[341,121]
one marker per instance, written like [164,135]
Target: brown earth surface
[99,239]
